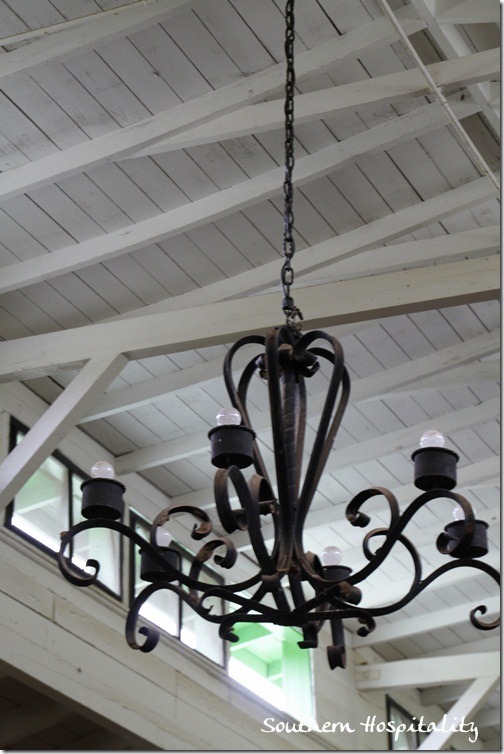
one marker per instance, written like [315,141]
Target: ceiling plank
[73,39]
[265,116]
[222,203]
[46,434]
[353,242]
[120,143]
[425,373]
[422,624]
[326,305]
[469,703]
[426,671]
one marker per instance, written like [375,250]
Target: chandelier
[276,593]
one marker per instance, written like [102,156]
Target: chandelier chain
[289,246]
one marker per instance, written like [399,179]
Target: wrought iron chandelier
[276,593]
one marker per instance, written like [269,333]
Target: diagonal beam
[469,703]
[45,436]
[266,116]
[225,202]
[326,305]
[471,12]
[73,38]
[347,245]
[427,671]
[119,144]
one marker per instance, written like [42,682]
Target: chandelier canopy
[290,586]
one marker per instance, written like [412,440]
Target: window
[50,503]
[268,661]
[398,740]
[171,614]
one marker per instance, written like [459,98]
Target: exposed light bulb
[331,556]
[432,439]
[228,416]
[163,537]
[102,470]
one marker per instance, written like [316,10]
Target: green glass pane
[41,506]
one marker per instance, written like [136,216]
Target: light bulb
[331,556]
[102,470]
[432,439]
[228,416]
[163,537]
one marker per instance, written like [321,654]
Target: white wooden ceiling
[141,155]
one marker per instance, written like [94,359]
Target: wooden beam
[418,375]
[73,39]
[266,116]
[326,305]
[119,144]
[426,671]
[440,695]
[471,12]
[488,718]
[347,245]
[422,624]
[463,710]
[225,202]
[45,436]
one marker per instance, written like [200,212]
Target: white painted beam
[488,718]
[222,203]
[197,442]
[45,436]
[120,143]
[324,305]
[422,624]
[471,12]
[427,372]
[265,116]
[469,703]
[353,242]
[442,694]
[427,671]
[71,39]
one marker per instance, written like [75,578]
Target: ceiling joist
[326,305]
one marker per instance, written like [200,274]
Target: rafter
[222,203]
[427,372]
[378,296]
[120,143]
[426,671]
[71,39]
[351,243]
[265,116]
[422,624]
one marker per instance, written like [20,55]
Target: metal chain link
[289,247]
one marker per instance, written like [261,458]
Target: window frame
[391,703]
[72,471]
[186,554]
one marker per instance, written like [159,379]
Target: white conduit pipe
[436,90]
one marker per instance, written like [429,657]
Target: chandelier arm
[251,512]
[198,532]
[357,518]
[206,552]
[152,634]
[418,588]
